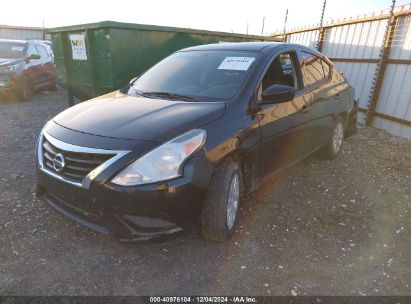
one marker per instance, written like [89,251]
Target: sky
[215,15]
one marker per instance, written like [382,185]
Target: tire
[26,89]
[334,144]
[52,87]
[352,126]
[216,222]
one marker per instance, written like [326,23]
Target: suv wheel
[52,87]
[333,147]
[26,90]
[219,215]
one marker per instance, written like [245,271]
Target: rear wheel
[352,126]
[52,87]
[333,147]
[219,215]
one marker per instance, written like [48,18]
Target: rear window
[315,70]
[11,50]
[42,51]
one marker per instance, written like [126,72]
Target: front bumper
[130,215]
[8,84]
[135,213]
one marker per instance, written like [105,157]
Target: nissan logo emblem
[58,162]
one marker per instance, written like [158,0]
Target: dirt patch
[337,227]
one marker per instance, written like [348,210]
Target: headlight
[164,162]
[9,68]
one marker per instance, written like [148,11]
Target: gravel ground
[337,227]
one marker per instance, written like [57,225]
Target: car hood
[8,61]
[118,115]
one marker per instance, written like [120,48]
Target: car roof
[250,46]
[13,41]
[240,46]
[40,41]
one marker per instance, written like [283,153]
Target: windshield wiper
[168,95]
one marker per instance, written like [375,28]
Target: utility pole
[262,28]
[247,28]
[44,34]
[321,30]
[285,24]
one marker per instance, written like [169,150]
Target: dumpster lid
[147,27]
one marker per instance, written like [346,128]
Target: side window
[42,51]
[314,69]
[49,51]
[281,71]
[31,50]
[326,68]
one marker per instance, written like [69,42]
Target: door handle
[305,109]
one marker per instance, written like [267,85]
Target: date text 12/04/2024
[204,299]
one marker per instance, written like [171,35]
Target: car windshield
[12,50]
[201,75]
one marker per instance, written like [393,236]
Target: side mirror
[278,93]
[32,57]
[127,87]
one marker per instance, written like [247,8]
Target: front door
[34,67]
[282,124]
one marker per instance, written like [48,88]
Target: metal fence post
[381,66]
[285,26]
[321,38]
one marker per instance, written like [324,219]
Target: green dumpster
[96,58]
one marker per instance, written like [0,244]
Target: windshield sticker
[78,47]
[17,48]
[236,63]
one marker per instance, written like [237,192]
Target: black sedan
[180,145]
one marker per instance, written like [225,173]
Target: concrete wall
[20,32]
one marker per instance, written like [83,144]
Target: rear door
[47,65]
[321,98]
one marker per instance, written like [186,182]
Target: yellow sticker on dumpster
[236,63]
[78,47]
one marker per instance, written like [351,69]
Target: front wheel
[219,214]
[333,146]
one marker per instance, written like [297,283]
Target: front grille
[77,165]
